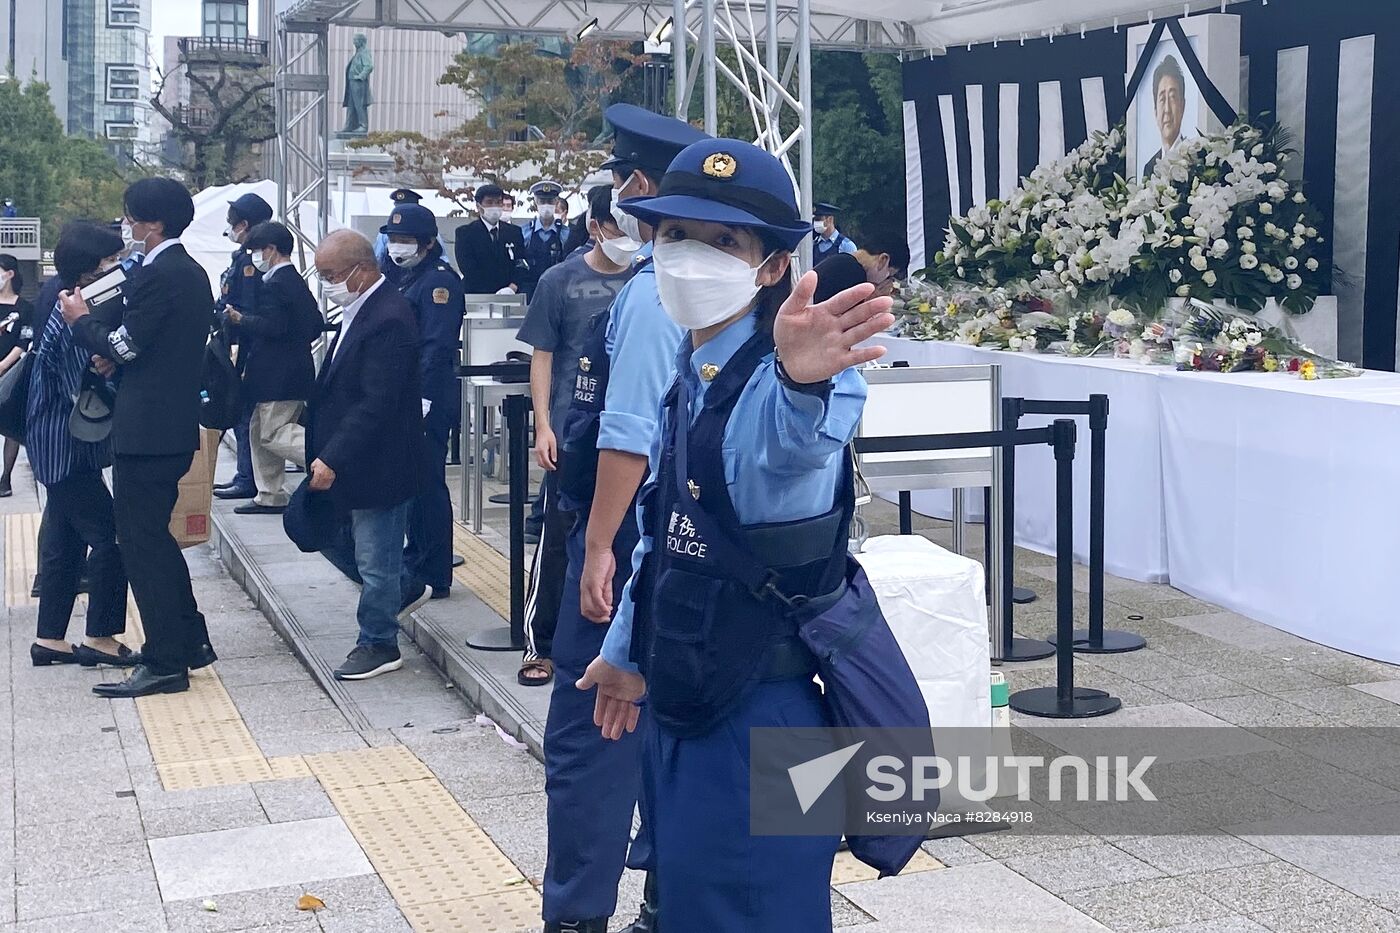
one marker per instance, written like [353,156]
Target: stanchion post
[1064,700]
[906,513]
[1014,649]
[515,406]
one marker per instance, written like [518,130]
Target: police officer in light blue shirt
[752,440]
[422,274]
[545,235]
[593,785]
[827,240]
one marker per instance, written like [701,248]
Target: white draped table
[1262,493]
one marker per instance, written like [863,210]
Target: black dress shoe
[413,595]
[253,508]
[238,492]
[91,657]
[43,657]
[441,592]
[144,682]
[218,486]
[203,657]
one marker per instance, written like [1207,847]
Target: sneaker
[414,595]
[367,661]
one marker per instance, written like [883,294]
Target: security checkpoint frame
[951,400]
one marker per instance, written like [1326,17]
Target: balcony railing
[212,47]
[19,236]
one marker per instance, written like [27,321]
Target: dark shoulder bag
[14,398]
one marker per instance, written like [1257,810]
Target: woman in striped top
[78,510]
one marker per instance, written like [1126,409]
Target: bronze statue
[357,95]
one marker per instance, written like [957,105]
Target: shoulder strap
[733,554]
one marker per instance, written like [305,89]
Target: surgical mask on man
[628,224]
[339,293]
[129,241]
[492,215]
[546,214]
[700,285]
[404,255]
[261,262]
[818,227]
[619,250]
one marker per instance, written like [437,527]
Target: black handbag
[220,402]
[14,398]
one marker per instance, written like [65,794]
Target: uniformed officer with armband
[750,478]
[592,785]
[239,288]
[545,235]
[435,292]
[827,240]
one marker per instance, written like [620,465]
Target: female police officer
[751,446]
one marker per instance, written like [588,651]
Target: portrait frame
[1215,40]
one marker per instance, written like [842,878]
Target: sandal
[536,673]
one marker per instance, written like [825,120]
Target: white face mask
[261,262]
[628,224]
[492,215]
[546,214]
[129,241]
[700,285]
[818,227]
[619,250]
[404,255]
[339,293]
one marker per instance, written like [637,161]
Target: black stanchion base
[1028,649]
[1114,642]
[503,498]
[496,639]
[458,560]
[1045,701]
[1020,595]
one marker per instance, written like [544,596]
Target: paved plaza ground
[392,804]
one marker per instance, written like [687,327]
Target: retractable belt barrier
[1064,700]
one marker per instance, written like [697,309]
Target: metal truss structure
[757,32]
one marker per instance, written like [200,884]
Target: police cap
[405,196]
[546,190]
[726,181]
[825,209]
[646,140]
[413,220]
[251,208]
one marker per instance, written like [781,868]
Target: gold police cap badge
[396,219]
[709,371]
[249,272]
[440,296]
[720,165]
[585,364]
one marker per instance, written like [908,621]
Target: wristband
[820,389]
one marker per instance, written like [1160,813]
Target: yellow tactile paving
[288,766]
[499,912]
[21,557]
[848,868]
[366,767]
[409,795]
[198,738]
[486,571]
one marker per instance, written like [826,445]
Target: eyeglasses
[335,278]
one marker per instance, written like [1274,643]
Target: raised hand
[815,342]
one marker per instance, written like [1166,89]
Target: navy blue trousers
[592,784]
[428,555]
[243,475]
[713,874]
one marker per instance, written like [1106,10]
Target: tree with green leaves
[49,175]
[538,117]
[234,111]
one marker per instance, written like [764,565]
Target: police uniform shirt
[239,284]
[846,245]
[567,299]
[782,455]
[641,340]
[435,292]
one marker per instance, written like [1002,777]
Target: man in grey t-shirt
[567,299]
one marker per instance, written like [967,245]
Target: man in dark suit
[158,344]
[275,350]
[491,252]
[364,426]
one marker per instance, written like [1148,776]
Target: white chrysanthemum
[1248,247]
[1290,263]
[1199,262]
[1311,264]
[1183,290]
[1121,317]
[1208,277]
[1296,242]
[1174,275]
[1266,208]
[1249,261]
[1294,280]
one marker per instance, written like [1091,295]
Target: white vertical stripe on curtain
[913,187]
[1355,70]
[1291,102]
[1095,105]
[978,143]
[1052,122]
[1008,138]
[950,151]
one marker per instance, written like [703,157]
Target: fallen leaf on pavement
[310,902]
